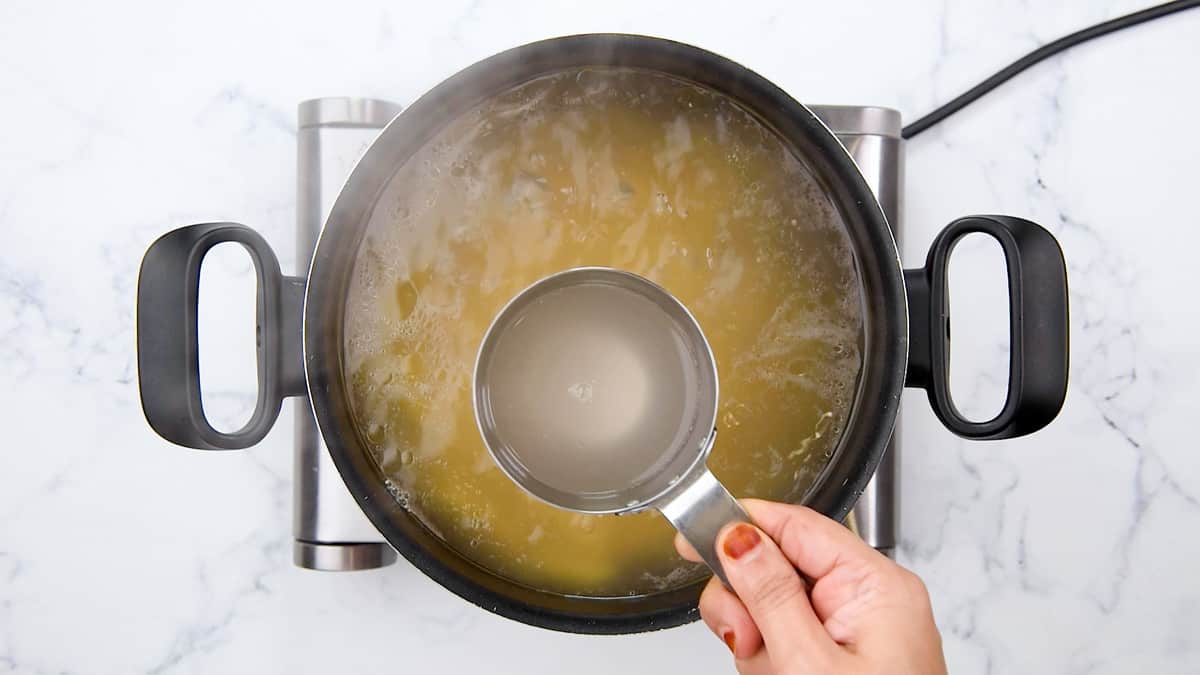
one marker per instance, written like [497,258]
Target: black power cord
[1040,54]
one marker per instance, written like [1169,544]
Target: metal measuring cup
[681,486]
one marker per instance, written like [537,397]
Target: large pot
[301,321]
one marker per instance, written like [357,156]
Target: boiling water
[615,168]
[592,387]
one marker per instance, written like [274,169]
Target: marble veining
[1072,551]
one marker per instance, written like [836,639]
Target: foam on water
[617,168]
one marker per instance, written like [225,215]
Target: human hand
[865,615]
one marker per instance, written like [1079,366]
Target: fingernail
[730,642]
[742,539]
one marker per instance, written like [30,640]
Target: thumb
[844,567]
[776,597]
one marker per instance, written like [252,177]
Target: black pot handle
[167,343]
[1037,296]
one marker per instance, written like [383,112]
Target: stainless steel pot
[906,341]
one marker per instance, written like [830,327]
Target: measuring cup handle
[699,511]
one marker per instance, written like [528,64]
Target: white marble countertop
[1073,551]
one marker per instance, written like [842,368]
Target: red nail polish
[730,642]
[742,539]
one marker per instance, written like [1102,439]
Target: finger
[774,595]
[850,577]
[685,549]
[814,543]
[727,617]
[758,664]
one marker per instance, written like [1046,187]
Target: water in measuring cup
[592,387]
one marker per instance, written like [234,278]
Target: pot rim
[885,330]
